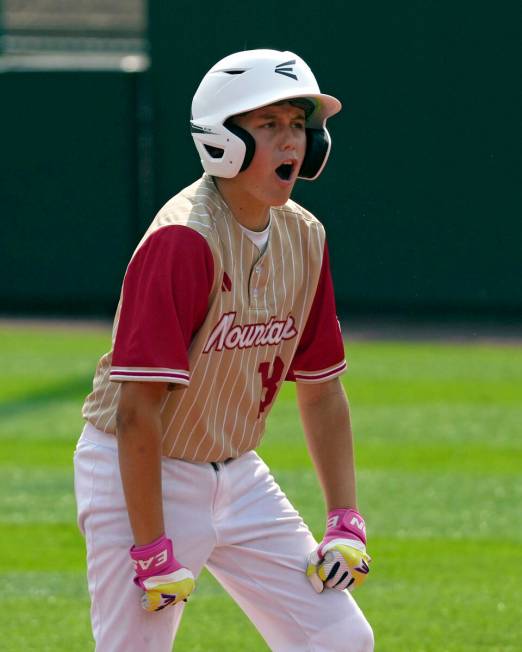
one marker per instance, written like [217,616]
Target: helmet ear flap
[247,138]
[317,150]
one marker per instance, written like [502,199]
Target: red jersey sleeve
[164,301]
[320,352]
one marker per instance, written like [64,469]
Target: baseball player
[227,295]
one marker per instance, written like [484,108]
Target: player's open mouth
[284,171]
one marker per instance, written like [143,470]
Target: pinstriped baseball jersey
[202,310]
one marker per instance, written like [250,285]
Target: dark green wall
[421,197]
[69,191]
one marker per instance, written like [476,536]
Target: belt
[215,465]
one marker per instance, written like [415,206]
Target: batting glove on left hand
[340,561]
[163,579]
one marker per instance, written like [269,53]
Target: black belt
[215,465]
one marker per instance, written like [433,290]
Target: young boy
[228,294]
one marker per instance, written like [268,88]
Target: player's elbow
[125,419]
[139,407]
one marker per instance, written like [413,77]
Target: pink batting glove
[340,561]
[163,579]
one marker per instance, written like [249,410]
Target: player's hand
[163,579]
[340,561]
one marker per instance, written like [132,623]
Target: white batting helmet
[246,81]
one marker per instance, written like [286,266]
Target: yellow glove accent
[343,567]
[164,590]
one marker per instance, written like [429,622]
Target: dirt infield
[52,323]
[354,329]
[444,331]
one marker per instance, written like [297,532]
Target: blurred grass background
[439,448]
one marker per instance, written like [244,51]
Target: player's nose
[289,138]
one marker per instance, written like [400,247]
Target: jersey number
[270,381]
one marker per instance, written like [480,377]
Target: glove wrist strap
[341,522]
[155,558]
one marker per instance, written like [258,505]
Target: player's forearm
[326,420]
[139,450]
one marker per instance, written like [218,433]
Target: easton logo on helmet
[286,69]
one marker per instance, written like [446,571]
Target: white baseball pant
[232,518]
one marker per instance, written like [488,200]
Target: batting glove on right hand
[163,579]
[340,561]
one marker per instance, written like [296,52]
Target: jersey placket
[257,285]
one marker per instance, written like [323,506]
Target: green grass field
[439,449]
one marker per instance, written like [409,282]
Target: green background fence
[421,198]
[69,188]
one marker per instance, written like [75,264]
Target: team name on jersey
[227,335]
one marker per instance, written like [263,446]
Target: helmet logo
[286,69]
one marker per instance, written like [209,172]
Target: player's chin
[280,198]
[281,189]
